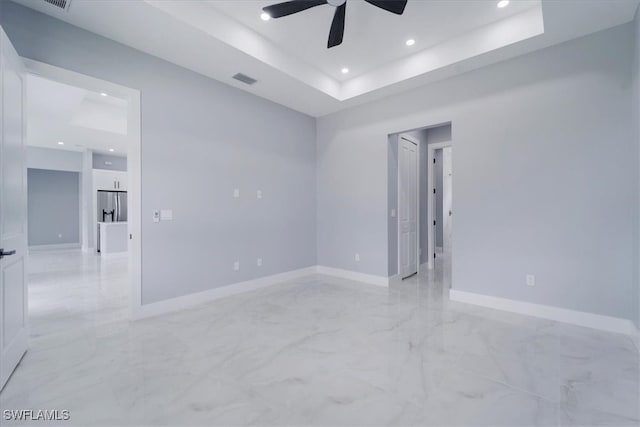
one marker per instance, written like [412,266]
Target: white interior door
[13,213]
[447,209]
[408,206]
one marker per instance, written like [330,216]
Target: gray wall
[200,140]
[52,159]
[546,111]
[636,122]
[118,163]
[53,199]
[392,205]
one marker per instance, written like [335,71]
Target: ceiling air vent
[60,4]
[244,79]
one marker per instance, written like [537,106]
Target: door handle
[4,253]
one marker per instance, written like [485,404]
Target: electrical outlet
[236,193]
[236,265]
[358,257]
[259,194]
[531,280]
[259,262]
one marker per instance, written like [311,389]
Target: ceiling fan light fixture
[345,70]
[503,3]
[336,32]
[410,42]
[265,16]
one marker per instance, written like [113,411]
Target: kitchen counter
[113,237]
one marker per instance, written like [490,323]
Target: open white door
[408,206]
[13,213]
[447,191]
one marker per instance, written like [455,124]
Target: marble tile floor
[314,351]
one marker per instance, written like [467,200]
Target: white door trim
[417,143]
[431,207]
[133,161]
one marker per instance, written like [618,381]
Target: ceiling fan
[337,26]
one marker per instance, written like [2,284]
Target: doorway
[440,212]
[420,200]
[104,132]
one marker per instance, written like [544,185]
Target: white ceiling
[77,117]
[288,56]
[373,37]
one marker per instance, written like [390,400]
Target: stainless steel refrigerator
[112,206]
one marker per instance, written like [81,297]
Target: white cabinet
[109,180]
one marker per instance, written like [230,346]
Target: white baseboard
[58,247]
[353,275]
[580,318]
[187,301]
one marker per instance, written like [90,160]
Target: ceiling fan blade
[393,6]
[337,27]
[290,7]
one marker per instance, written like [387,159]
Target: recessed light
[345,70]
[503,3]
[265,16]
[103,94]
[112,150]
[60,143]
[410,42]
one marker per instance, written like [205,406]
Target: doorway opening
[420,173]
[83,199]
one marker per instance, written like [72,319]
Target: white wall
[86,201]
[544,169]
[52,159]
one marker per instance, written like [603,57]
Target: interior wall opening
[82,159]
[420,199]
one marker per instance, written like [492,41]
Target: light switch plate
[236,193]
[166,214]
[531,280]
[259,194]
[259,262]
[236,265]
